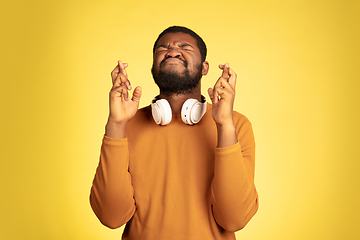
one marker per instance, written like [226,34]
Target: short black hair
[175,29]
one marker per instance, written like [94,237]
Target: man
[191,176]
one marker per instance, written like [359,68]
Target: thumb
[136,95]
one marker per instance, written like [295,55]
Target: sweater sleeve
[234,196]
[111,196]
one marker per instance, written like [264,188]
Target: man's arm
[234,194]
[111,196]
[235,199]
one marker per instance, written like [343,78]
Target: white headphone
[191,112]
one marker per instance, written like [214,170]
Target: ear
[205,68]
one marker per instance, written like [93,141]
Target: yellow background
[298,82]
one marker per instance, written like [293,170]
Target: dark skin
[183,46]
[173,47]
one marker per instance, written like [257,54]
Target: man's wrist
[226,135]
[226,127]
[115,129]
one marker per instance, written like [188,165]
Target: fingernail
[227,65]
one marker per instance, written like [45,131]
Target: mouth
[171,60]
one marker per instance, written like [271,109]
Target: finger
[217,85]
[123,71]
[120,91]
[121,80]
[136,95]
[223,94]
[223,83]
[216,94]
[225,73]
[232,78]
[115,73]
[227,89]
[122,68]
[218,82]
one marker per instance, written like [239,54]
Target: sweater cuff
[114,141]
[227,150]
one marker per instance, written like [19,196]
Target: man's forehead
[177,37]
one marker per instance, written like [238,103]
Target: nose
[173,52]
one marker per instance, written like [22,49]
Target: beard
[172,82]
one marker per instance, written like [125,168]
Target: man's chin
[171,74]
[173,68]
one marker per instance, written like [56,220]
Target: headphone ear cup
[191,111]
[161,112]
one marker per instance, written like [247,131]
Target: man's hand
[222,97]
[122,108]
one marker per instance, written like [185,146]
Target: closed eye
[187,47]
[162,47]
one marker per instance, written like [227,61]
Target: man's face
[177,65]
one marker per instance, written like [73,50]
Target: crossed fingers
[225,86]
[228,74]
[121,83]
[119,76]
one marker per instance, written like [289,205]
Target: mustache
[177,57]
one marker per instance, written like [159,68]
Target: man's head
[176,29]
[178,60]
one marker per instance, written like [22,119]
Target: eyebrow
[186,45]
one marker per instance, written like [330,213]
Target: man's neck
[176,101]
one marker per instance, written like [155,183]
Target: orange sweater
[171,182]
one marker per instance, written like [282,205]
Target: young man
[180,168]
